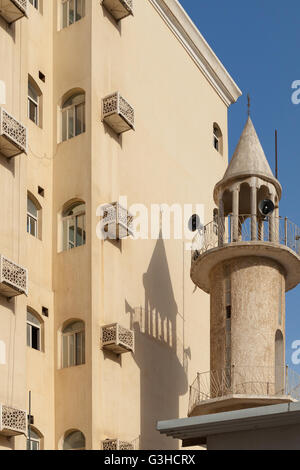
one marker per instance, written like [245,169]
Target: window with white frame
[35,3]
[73,344]
[33,103]
[74,233]
[74,440]
[73,117]
[33,331]
[33,440]
[217,138]
[72,11]
[32,217]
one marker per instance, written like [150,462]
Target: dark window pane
[35,340]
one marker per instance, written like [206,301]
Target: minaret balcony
[119,9]
[117,113]
[118,221]
[13,10]
[237,388]
[13,278]
[117,339]
[13,135]
[13,422]
[273,237]
[116,444]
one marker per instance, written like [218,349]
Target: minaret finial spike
[249,104]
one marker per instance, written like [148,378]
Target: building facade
[100,338]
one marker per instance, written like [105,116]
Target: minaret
[246,259]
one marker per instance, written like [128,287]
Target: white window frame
[34,3]
[74,220]
[216,141]
[68,111]
[67,2]
[32,219]
[39,328]
[76,362]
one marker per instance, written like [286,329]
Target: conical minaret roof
[249,159]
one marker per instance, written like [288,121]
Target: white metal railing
[13,275]
[272,229]
[248,380]
[13,130]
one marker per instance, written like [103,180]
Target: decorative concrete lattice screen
[116,444]
[118,221]
[13,10]
[22,4]
[119,9]
[12,421]
[117,113]
[117,339]
[13,135]
[13,278]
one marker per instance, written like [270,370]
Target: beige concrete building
[101,338]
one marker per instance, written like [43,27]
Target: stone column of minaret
[246,262]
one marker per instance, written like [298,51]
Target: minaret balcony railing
[13,135]
[13,10]
[250,381]
[246,228]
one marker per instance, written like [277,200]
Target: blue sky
[258,42]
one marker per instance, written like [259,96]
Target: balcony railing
[254,381]
[117,113]
[12,421]
[13,10]
[13,278]
[117,339]
[119,9]
[118,221]
[117,444]
[272,229]
[13,135]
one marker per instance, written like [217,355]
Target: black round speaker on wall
[266,207]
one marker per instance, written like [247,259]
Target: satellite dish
[266,207]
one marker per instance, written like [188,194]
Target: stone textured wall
[257,295]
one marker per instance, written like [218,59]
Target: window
[217,139]
[33,331]
[35,3]
[73,345]
[32,217]
[72,11]
[33,104]
[73,117]
[74,234]
[34,440]
[74,440]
